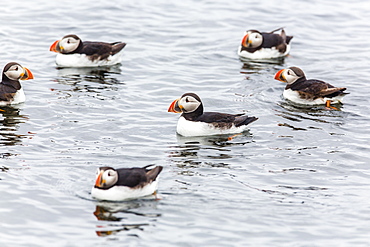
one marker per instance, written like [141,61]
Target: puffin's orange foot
[233,136]
[156,198]
[329,107]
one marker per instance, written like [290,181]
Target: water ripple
[299,175]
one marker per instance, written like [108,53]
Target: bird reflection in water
[112,214]
[3,168]
[254,66]
[192,152]
[92,80]
[317,114]
[217,141]
[9,125]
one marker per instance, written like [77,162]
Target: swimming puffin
[125,183]
[308,92]
[195,122]
[11,91]
[73,52]
[263,45]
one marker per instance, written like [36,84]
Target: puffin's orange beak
[173,107]
[27,75]
[246,41]
[279,76]
[53,47]
[99,180]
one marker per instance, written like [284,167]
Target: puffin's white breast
[19,97]
[82,60]
[295,97]
[121,193]
[263,53]
[192,128]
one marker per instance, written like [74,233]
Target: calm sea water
[299,177]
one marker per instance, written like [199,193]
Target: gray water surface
[299,177]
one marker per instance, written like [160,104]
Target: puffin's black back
[315,87]
[136,176]
[214,117]
[131,177]
[99,50]
[244,120]
[220,120]
[271,40]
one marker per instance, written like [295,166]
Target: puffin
[73,52]
[308,92]
[11,90]
[264,45]
[195,122]
[125,183]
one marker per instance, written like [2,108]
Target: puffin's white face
[287,75]
[106,178]
[188,104]
[16,72]
[68,44]
[252,39]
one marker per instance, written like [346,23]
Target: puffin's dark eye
[16,68]
[187,100]
[68,41]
